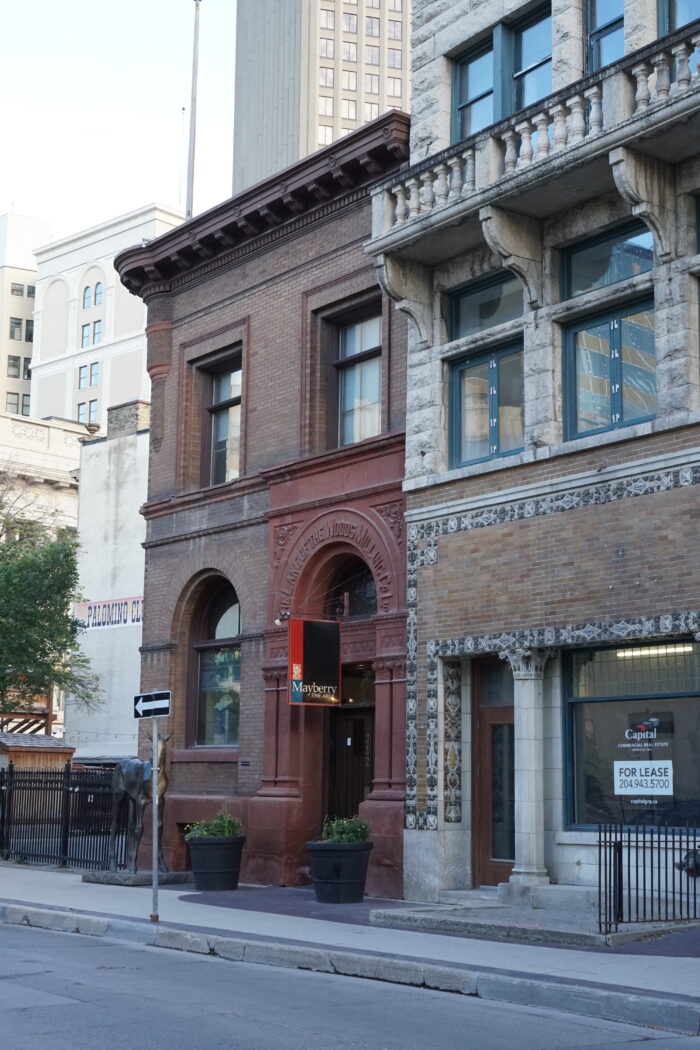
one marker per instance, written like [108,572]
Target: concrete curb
[646,1009]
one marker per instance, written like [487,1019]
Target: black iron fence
[60,816]
[647,874]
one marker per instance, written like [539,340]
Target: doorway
[351,743]
[493,772]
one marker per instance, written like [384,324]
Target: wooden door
[350,759]
[493,814]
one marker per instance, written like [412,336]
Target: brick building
[276,462]
[544,244]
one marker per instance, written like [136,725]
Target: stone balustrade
[636,87]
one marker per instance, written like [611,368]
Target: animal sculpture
[133,780]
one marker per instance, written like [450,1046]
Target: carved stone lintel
[410,284]
[527,663]
[648,186]
[517,239]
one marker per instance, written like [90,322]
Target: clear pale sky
[92,94]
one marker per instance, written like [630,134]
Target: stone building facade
[544,245]
[276,462]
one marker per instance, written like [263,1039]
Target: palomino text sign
[113,612]
[314,662]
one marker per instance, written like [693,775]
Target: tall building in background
[90,350]
[19,235]
[310,71]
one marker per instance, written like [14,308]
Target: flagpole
[193,115]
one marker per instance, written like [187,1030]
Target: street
[78,993]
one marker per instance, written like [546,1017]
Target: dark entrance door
[493,833]
[351,743]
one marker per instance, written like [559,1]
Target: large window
[610,370]
[224,410]
[486,411]
[359,372]
[677,13]
[16,328]
[13,366]
[485,304]
[612,257]
[606,34]
[12,403]
[633,726]
[508,72]
[218,660]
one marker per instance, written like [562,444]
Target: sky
[95,107]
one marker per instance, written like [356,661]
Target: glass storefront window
[635,727]
[219,696]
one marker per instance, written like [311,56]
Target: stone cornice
[325,180]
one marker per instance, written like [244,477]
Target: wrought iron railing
[59,817]
[647,874]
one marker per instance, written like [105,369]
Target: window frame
[26,404]
[200,641]
[569,701]
[230,361]
[16,329]
[595,35]
[618,232]
[493,356]
[9,395]
[664,18]
[613,314]
[82,377]
[11,373]
[343,365]
[502,43]
[29,330]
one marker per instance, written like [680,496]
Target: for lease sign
[643,778]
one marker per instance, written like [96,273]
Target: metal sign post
[153,706]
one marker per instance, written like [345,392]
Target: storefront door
[493,829]
[351,744]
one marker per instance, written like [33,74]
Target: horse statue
[133,780]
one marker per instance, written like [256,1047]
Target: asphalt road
[65,992]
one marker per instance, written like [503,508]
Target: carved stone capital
[648,185]
[527,663]
[410,285]
[517,240]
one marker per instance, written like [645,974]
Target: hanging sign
[314,662]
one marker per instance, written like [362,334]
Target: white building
[90,342]
[113,476]
[19,235]
[310,71]
[39,459]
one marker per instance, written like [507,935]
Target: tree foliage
[39,638]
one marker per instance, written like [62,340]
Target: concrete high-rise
[310,71]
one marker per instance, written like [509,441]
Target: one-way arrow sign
[152,705]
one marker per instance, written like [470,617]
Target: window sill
[205,754]
[576,838]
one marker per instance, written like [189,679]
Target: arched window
[353,592]
[98,294]
[218,660]
[87,297]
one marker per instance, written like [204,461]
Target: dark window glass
[612,369]
[219,674]
[475,100]
[353,591]
[533,62]
[485,305]
[29,331]
[225,412]
[609,259]
[25,404]
[503,792]
[487,407]
[27,368]
[633,740]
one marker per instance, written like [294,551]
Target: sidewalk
[656,983]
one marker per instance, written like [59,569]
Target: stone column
[528,666]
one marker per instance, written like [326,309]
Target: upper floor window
[82,377]
[29,331]
[371,54]
[394,57]
[612,257]
[224,411]
[487,406]
[393,86]
[395,5]
[31,291]
[325,134]
[606,34]
[26,400]
[218,656]
[27,368]
[485,304]
[13,366]
[371,26]
[16,328]
[94,373]
[98,294]
[16,289]
[12,403]
[349,51]
[82,412]
[84,335]
[395,29]
[506,73]
[348,108]
[359,371]
[348,79]
[610,370]
[97,331]
[372,83]
[325,106]
[92,412]
[678,13]
[326,47]
[349,23]
[327,19]
[87,297]
[325,76]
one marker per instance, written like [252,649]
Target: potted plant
[216,845]
[339,860]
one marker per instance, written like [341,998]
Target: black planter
[216,861]
[339,870]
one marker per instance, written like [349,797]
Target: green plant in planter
[223,825]
[345,829]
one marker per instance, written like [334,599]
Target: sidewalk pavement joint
[651,1009]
